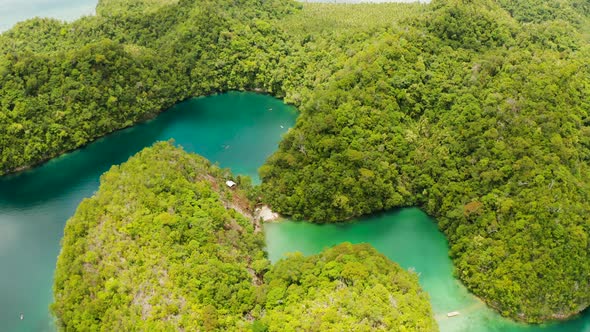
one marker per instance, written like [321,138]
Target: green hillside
[474,110]
[165,245]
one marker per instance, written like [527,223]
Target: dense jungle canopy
[165,245]
[474,110]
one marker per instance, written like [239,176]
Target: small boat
[453,314]
[282,127]
[22,316]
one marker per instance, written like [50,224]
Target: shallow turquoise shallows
[237,130]
[410,238]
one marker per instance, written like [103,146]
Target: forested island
[474,110]
[165,245]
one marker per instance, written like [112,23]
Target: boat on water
[453,314]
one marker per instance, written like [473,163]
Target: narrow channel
[237,130]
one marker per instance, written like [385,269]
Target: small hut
[231,184]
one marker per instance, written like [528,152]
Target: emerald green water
[410,238]
[237,130]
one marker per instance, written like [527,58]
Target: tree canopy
[345,288]
[474,110]
[473,115]
[165,245]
